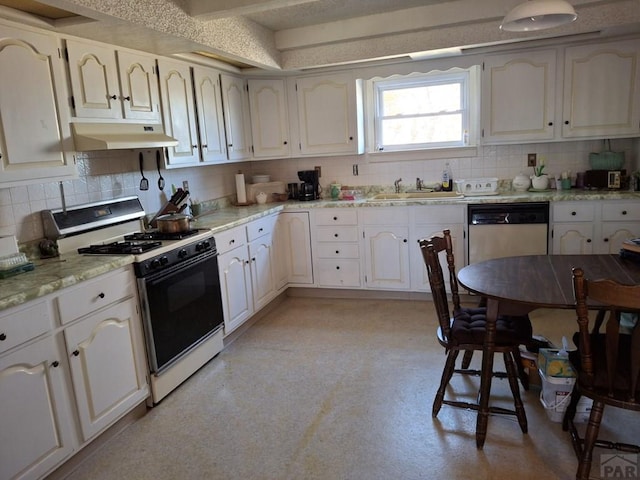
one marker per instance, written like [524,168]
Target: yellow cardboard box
[554,365]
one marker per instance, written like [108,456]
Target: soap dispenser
[447,180]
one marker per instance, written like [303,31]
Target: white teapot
[521,182]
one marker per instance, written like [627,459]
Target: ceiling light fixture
[538,15]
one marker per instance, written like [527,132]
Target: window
[422,111]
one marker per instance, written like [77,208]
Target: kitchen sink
[416,196]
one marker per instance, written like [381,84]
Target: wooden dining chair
[607,364]
[463,329]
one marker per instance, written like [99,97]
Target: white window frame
[469,78]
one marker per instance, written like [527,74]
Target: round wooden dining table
[519,285]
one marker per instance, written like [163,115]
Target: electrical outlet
[185,185]
[319,170]
[532,159]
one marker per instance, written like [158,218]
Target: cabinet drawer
[337,234]
[339,273]
[385,216]
[621,212]
[22,324]
[230,239]
[95,294]
[262,226]
[573,212]
[337,250]
[337,216]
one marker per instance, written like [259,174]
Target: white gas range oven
[177,277]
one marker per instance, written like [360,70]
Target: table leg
[487,371]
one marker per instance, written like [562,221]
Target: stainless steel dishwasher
[507,229]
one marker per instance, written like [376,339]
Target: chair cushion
[600,380]
[469,326]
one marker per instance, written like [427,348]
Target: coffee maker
[310,186]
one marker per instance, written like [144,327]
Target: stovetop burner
[118,248]
[156,235]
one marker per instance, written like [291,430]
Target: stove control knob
[206,245]
[164,260]
[183,253]
[155,263]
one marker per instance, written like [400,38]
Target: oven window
[185,306]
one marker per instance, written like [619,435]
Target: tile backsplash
[111,174]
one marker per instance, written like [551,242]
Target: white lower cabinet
[106,373]
[386,248]
[261,257]
[64,382]
[593,226]
[36,433]
[292,250]
[336,248]
[433,220]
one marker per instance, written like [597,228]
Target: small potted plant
[540,180]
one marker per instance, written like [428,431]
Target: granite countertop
[70,269]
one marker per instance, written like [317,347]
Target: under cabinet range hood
[114,136]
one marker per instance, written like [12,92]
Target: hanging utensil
[160,179]
[144,183]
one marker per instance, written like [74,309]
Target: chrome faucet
[397,185]
[419,183]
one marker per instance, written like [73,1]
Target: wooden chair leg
[447,373]
[590,437]
[466,359]
[512,375]
[522,375]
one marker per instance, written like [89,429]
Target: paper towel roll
[240,188]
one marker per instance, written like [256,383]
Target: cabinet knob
[253,259]
[566,122]
[128,99]
[573,213]
[338,267]
[337,253]
[285,142]
[335,218]
[75,353]
[260,229]
[550,124]
[205,146]
[113,97]
[3,337]
[606,239]
[230,145]
[350,138]
[101,295]
[624,212]
[335,235]
[55,364]
[588,240]
[405,240]
[194,146]
[232,241]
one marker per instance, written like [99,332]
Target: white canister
[540,182]
[521,183]
[261,198]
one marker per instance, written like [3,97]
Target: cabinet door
[35,137]
[235,284]
[572,238]
[236,113]
[210,115]
[139,86]
[36,420]
[613,234]
[261,255]
[269,118]
[420,279]
[602,90]
[176,91]
[293,248]
[94,80]
[106,365]
[387,257]
[518,97]
[327,115]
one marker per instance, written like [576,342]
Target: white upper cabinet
[269,118]
[178,110]
[35,138]
[518,96]
[602,90]
[206,83]
[329,115]
[236,113]
[112,84]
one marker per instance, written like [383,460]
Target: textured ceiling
[294,35]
